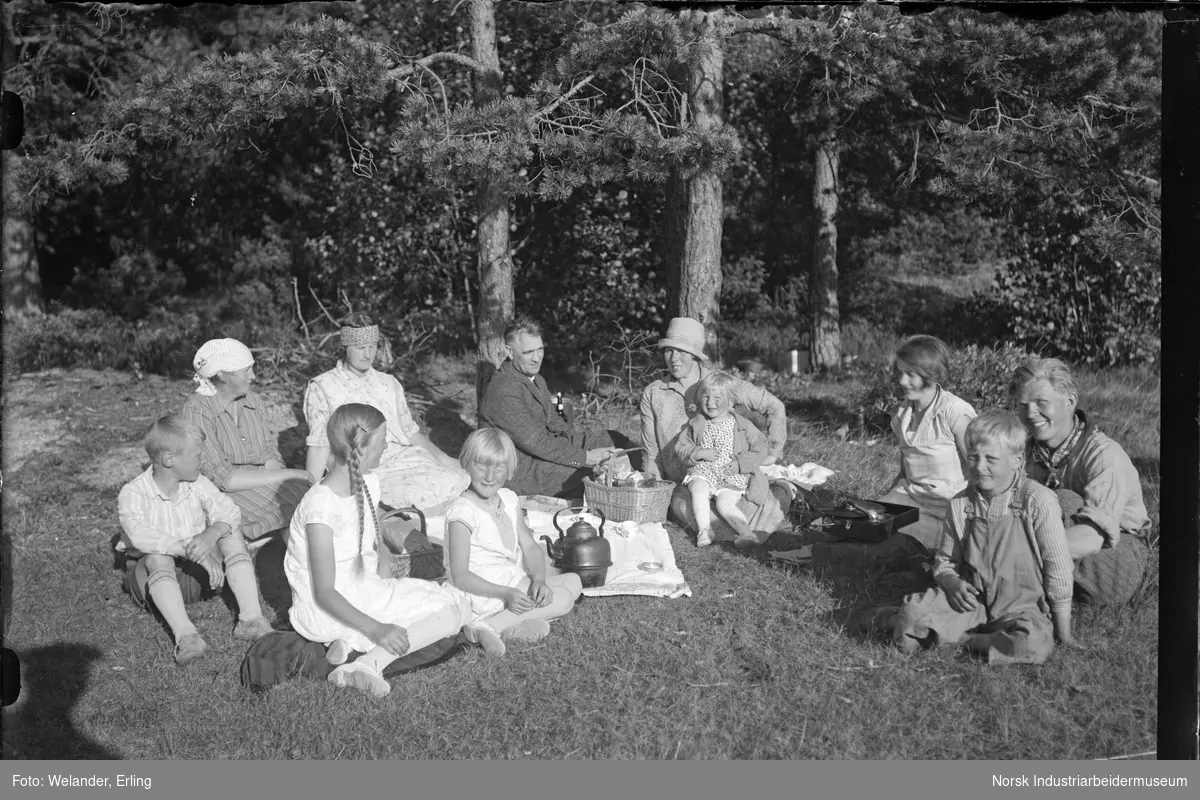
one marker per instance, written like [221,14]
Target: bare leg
[727,507]
[566,588]
[699,490]
[366,673]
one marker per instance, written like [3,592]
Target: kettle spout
[549,547]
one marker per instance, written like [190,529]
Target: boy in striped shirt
[1003,570]
[172,512]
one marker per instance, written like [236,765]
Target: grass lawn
[763,661]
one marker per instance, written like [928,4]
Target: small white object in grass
[725,596]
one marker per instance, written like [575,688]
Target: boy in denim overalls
[1003,570]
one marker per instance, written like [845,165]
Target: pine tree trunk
[22,282]
[492,213]
[826,329]
[695,210]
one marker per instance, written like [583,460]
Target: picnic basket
[411,553]
[630,503]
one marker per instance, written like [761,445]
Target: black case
[862,529]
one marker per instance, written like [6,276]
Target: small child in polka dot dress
[721,449]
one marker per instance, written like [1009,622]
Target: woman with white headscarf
[239,456]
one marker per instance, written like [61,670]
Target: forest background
[864,173]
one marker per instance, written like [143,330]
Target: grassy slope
[762,662]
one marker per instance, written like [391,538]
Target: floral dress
[396,601]
[718,435]
[492,557]
[410,474]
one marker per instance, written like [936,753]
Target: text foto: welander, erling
[83,781]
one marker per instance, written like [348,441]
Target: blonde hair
[349,428]
[928,356]
[718,381]
[168,434]
[1052,370]
[997,425]
[489,446]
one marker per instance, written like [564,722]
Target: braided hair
[349,428]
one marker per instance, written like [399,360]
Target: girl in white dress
[930,427]
[343,594]
[492,555]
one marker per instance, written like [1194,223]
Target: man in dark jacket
[552,457]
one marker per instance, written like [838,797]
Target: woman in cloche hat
[668,404]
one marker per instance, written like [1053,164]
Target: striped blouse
[228,444]
[155,523]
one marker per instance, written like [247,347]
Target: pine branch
[399,73]
[574,90]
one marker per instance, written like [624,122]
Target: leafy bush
[1075,292]
[952,243]
[67,338]
[135,282]
[977,374]
[742,287]
[762,336]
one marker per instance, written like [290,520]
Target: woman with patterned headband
[239,456]
[413,470]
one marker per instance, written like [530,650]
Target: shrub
[1077,292]
[134,283]
[949,243]
[742,287]
[67,338]
[165,342]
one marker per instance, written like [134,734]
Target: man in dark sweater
[552,457]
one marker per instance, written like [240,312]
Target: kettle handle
[581,510]
[557,527]
[602,520]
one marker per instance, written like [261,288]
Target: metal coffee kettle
[581,548]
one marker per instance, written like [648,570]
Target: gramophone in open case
[865,521]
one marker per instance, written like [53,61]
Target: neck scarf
[1052,459]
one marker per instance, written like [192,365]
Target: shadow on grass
[54,679]
[860,576]
[272,581]
[821,410]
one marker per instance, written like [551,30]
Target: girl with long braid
[343,594]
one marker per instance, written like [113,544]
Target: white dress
[409,473]
[932,467]
[491,558]
[396,601]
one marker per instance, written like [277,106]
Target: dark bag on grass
[283,655]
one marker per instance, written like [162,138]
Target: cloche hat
[686,334]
